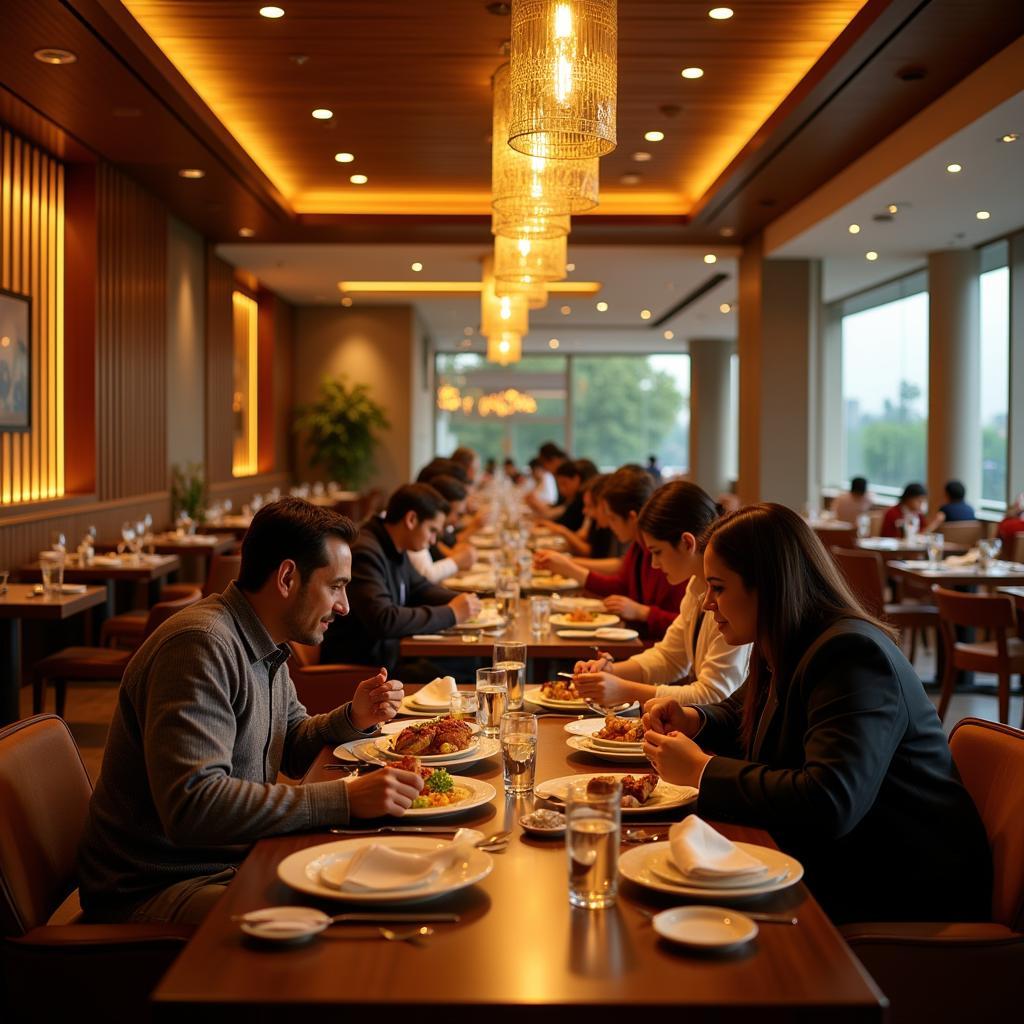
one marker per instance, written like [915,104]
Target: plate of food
[573,604]
[619,733]
[590,726]
[558,693]
[368,751]
[430,741]
[397,725]
[301,870]
[489,618]
[584,618]
[553,582]
[641,794]
[443,793]
[472,583]
[543,822]
[586,745]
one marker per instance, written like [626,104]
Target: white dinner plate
[586,744]
[554,583]
[599,620]
[480,793]
[705,928]
[366,750]
[397,725]
[604,633]
[481,622]
[665,868]
[665,796]
[476,583]
[409,707]
[577,604]
[301,870]
[385,744]
[534,696]
[636,865]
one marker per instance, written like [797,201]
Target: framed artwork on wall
[15,362]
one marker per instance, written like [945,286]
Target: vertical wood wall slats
[220,374]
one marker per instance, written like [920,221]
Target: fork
[414,936]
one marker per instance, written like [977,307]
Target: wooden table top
[199,544]
[1017,593]
[1001,572]
[519,947]
[153,567]
[900,546]
[21,602]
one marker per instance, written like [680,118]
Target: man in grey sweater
[207,716]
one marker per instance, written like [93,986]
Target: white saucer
[284,926]
[705,927]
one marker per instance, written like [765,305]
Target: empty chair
[1003,655]
[946,972]
[52,964]
[89,664]
[967,532]
[321,688]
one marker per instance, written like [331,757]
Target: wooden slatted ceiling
[409,83]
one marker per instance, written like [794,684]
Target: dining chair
[89,664]
[51,962]
[1002,655]
[833,538]
[127,630]
[1017,554]
[949,972]
[322,688]
[967,533]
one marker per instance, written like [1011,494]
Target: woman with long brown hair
[831,744]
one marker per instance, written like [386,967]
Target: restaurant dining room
[512,508]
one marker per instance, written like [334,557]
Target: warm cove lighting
[454,287]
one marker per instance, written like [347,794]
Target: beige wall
[378,346]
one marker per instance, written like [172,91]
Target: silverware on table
[754,915]
[414,936]
[364,918]
[443,830]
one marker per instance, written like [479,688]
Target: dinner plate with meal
[577,604]
[583,618]
[429,741]
[558,694]
[368,750]
[554,581]
[472,583]
[585,745]
[443,793]
[641,794]
[614,739]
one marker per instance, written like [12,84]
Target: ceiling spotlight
[191,172]
[954,168]
[725,308]
[468,331]
[854,229]
[1009,137]
[710,258]
[893,208]
[347,301]
[246,232]
[272,12]
[645,314]
[630,179]
[570,267]
[344,158]
[983,215]
[668,335]
[720,13]
[566,310]
[871,256]
[359,179]
[641,156]
[553,343]
[654,136]
[323,114]
[416,267]
[54,55]
[602,307]
[692,72]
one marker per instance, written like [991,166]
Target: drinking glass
[4,573]
[935,545]
[863,525]
[519,751]
[592,843]
[464,705]
[987,551]
[506,594]
[540,616]
[512,658]
[910,528]
[51,567]
[492,693]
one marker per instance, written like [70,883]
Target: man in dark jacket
[389,598]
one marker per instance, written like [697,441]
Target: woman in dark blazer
[831,744]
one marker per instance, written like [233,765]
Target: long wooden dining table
[519,948]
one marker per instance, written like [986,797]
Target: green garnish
[440,781]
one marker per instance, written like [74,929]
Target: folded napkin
[962,560]
[380,867]
[436,694]
[112,560]
[65,588]
[702,853]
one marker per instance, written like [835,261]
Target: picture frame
[15,362]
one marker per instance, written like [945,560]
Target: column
[954,368]
[1015,427]
[710,414]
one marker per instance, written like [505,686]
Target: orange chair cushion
[984,654]
[83,663]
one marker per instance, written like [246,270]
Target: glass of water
[506,594]
[512,658]
[51,567]
[863,525]
[492,694]
[592,843]
[540,615]
[464,705]
[935,544]
[519,751]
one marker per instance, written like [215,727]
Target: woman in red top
[909,508]
[637,592]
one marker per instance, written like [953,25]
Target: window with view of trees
[995,383]
[885,391]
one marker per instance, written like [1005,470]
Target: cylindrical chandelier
[533,186]
[563,78]
[500,314]
[530,226]
[526,259]
[505,348]
[536,292]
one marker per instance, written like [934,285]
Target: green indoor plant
[341,429]
[188,491]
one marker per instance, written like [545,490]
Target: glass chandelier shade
[536,292]
[500,314]
[563,78]
[505,348]
[525,186]
[530,225]
[526,260]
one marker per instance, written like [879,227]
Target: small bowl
[284,926]
[540,830]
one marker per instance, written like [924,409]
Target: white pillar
[710,414]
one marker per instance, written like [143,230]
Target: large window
[995,373]
[885,390]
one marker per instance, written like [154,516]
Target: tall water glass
[464,705]
[492,693]
[512,658]
[540,616]
[506,594]
[51,568]
[863,525]
[592,843]
[519,751]
[935,544]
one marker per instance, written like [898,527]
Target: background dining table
[900,547]
[519,949]
[999,574]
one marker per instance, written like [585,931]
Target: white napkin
[381,867]
[702,853]
[969,558]
[436,694]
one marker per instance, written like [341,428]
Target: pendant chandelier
[536,292]
[530,225]
[500,314]
[563,78]
[526,260]
[531,186]
[505,348]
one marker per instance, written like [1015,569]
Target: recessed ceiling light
[645,314]
[566,310]
[710,258]
[602,307]
[720,13]
[654,136]
[630,179]
[570,267]
[191,172]
[347,301]
[872,255]
[323,114]
[725,308]
[54,55]
[246,232]
[641,156]
[344,158]
[359,179]
[1009,137]
[468,331]
[954,168]
[692,72]
[553,343]
[727,232]
[272,12]
[854,229]
[983,215]
[416,267]
[893,208]
[668,335]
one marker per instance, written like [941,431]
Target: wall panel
[220,283]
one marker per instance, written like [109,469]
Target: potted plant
[188,491]
[341,429]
